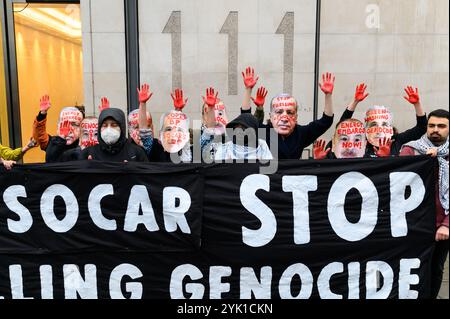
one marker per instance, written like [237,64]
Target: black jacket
[122,150]
[56,149]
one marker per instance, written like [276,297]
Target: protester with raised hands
[360,95]
[249,82]
[349,141]
[142,132]
[214,113]
[379,123]
[68,130]
[173,143]
[292,137]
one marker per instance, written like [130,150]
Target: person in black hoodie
[113,145]
[68,130]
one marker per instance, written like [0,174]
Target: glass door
[49,61]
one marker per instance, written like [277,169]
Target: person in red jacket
[435,143]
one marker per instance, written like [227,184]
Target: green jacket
[9,154]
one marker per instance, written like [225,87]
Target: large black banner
[340,229]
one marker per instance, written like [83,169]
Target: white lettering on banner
[217,287]
[373,269]
[301,185]
[406,279]
[265,234]
[185,281]
[75,285]
[369,208]
[134,288]
[323,283]
[248,282]
[16,278]
[173,214]
[306,278]
[176,282]
[176,202]
[95,209]
[139,199]
[401,205]
[47,208]
[10,198]
[46,274]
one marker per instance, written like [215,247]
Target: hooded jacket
[122,150]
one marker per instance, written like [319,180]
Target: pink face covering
[378,125]
[349,140]
[89,131]
[174,134]
[73,117]
[220,116]
[284,115]
[133,126]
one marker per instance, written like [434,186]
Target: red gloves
[249,78]
[319,149]
[385,147]
[178,102]
[360,93]
[44,104]
[260,97]
[412,96]
[211,99]
[144,93]
[328,83]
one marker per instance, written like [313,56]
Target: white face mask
[110,135]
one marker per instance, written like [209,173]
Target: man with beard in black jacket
[113,145]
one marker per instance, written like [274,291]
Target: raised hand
[104,105]
[260,97]
[211,97]
[360,93]
[319,150]
[327,85]
[44,104]
[178,102]
[144,93]
[249,78]
[64,129]
[412,95]
[384,150]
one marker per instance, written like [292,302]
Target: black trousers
[437,266]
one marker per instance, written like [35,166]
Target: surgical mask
[110,135]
